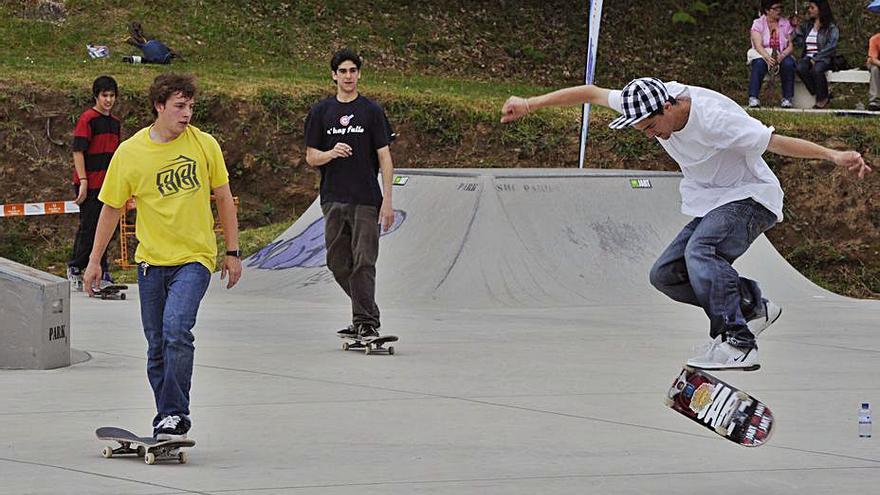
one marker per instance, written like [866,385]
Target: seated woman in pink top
[771,39]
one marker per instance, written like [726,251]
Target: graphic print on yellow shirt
[179,176]
[172,183]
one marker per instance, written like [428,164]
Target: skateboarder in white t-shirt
[727,187]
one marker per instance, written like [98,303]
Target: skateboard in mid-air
[149,448]
[114,291]
[369,345]
[720,407]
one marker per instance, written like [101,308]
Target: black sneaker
[367,331]
[172,428]
[348,331]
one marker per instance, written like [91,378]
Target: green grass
[829,267]
[237,48]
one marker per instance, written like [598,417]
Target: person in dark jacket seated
[817,37]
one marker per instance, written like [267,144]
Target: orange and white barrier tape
[32,209]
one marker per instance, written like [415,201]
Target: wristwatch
[236,253]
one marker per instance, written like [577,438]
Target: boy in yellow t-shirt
[171,168]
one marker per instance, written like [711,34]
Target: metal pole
[594,16]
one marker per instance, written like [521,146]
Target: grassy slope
[455,41]
[441,68]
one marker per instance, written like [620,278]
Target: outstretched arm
[516,107]
[800,148]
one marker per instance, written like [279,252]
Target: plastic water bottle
[865,421]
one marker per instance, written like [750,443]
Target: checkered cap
[639,99]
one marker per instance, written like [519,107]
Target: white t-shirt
[719,151]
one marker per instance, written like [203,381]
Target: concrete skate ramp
[521,238]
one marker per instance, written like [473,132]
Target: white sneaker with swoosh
[723,356]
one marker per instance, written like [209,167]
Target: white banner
[33,209]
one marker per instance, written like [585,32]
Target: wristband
[236,253]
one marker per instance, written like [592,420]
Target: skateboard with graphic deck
[149,448]
[720,407]
[114,291]
[369,345]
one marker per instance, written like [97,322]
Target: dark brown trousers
[351,234]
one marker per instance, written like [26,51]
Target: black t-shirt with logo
[361,124]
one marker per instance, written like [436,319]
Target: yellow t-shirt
[172,183]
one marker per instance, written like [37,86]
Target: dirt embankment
[831,232]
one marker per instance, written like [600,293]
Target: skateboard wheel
[742,396]
[150,458]
[141,451]
[182,457]
[368,348]
[122,296]
[391,350]
[689,369]
[345,346]
[668,402]
[107,452]
[721,431]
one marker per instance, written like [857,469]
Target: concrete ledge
[34,317]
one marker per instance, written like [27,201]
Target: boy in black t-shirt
[347,139]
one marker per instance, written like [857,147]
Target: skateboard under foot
[369,345]
[149,448]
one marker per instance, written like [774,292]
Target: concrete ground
[500,384]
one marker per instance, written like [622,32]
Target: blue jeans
[786,75]
[170,298]
[696,267]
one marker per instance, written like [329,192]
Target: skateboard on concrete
[720,407]
[149,448]
[369,345]
[114,291]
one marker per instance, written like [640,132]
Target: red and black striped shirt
[97,136]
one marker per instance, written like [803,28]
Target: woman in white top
[817,37]
[771,36]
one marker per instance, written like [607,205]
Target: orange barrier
[33,209]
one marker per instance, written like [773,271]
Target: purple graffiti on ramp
[305,250]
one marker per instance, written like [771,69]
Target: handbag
[838,63]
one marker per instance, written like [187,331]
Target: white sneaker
[758,324]
[724,356]
[771,313]
[74,276]
[786,103]
[754,102]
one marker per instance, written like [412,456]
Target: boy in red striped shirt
[95,139]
